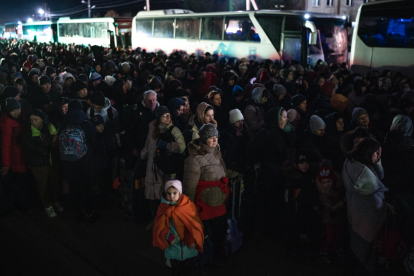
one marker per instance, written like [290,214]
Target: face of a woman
[209,116]
[212,142]
[340,125]
[36,121]
[216,101]
[283,119]
[289,77]
[165,119]
[376,156]
[83,92]
[98,68]
[321,81]
[68,82]
[303,106]
[320,132]
[16,113]
[19,87]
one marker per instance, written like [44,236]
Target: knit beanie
[110,80]
[16,75]
[161,110]
[155,83]
[33,72]
[75,105]
[80,85]
[235,115]
[94,76]
[358,112]
[97,120]
[174,84]
[174,104]
[174,183]
[327,88]
[12,104]
[9,92]
[83,78]
[316,123]
[297,100]
[98,98]
[326,172]
[50,70]
[302,156]
[293,116]
[279,90]
[44,80]
[339,102]
[207,131]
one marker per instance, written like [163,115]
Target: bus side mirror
[313,36]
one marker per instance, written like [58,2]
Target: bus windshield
[333,38]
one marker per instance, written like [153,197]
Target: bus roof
[37,23]
[11,23]
[318,14]
[168,13]
[99,19]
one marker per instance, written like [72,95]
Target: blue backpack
[72,143]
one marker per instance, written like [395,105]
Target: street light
[41,11]
[29,20]
[307,16]
[20,23]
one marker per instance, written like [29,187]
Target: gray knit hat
[207,131]
[279,90]
[357,112]
[316,123]
[12,104]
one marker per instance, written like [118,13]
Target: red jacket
[13,152]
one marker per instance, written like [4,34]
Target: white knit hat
[235,115]
[174,183]
[110,80]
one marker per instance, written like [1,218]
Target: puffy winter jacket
[204,163]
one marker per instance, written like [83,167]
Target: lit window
[349,2]
[315,3]
[329,2]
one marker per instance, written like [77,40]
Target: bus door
[93,32]
[292,48]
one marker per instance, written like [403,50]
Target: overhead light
[20,23]
[343,17]
[306,16]
[93,7]
[29,20]
[41,11]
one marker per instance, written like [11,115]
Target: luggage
[207,255]
[234,237]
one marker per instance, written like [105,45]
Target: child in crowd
[300,201]
[178,229]
[332,213]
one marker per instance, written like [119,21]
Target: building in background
[338,7]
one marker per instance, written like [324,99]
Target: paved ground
[33,244]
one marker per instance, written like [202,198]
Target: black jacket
[233,149]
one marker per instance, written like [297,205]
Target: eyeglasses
[166,116]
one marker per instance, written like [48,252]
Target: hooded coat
[397,156]
[155,178]
[254,113]
[13,149]
[204,163]
[41,147]
[367,209]
[197,121]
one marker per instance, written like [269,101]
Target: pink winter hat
[174,183]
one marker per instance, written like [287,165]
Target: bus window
[188,28]
[386,28]
[62,29]
[212,28]
[291,49]
[164,28]
[293,24]
[144,28]
[86,29]
[272,26]
[240,29]
[98,29]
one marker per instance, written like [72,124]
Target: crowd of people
[330,149]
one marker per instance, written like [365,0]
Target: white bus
[93,31]
[332,42]
[40,31]
[384,38]
[12,30]
[255,35]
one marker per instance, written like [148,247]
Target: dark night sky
[16,10]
